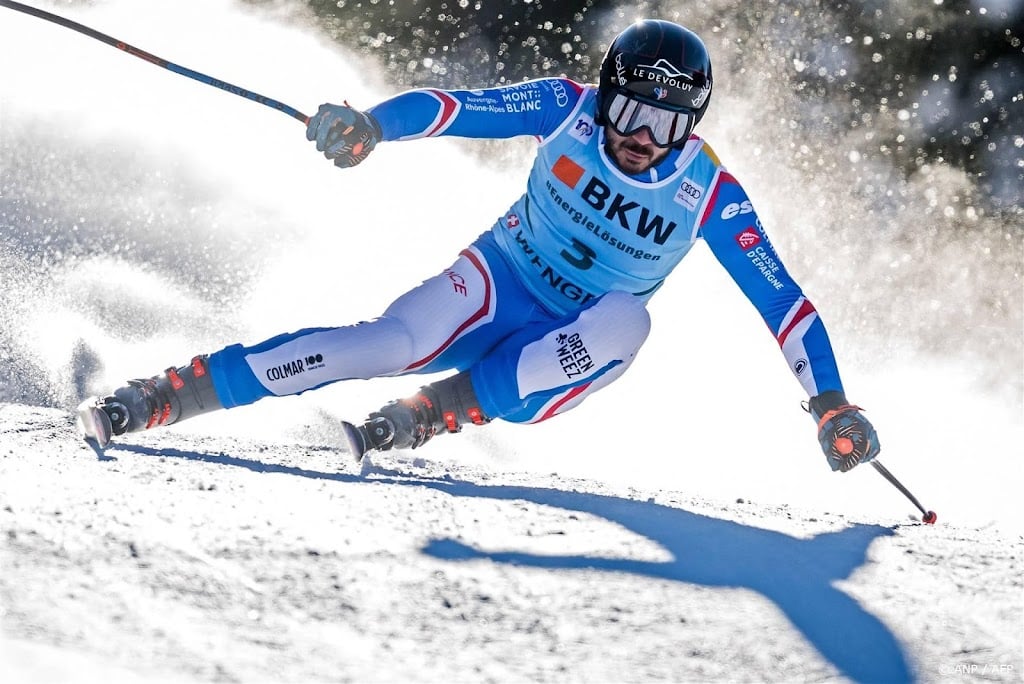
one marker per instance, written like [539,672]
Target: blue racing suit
[549,304]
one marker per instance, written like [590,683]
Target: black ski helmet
[658,63]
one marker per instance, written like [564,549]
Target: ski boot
[174,395]
[441,406]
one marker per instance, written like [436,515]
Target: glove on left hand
[343,134]
[845,435]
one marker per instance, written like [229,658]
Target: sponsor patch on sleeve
[749,238]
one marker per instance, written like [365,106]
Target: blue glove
[343,134]
[845,435]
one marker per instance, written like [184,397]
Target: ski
[354,440]
[94,423]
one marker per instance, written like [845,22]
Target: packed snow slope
[205,558]
[681,525]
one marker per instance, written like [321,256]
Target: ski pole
[928,516]
[153,59]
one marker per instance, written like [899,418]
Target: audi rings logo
[561,97]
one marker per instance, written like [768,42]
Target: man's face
[633,153]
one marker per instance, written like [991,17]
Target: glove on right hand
[845,435]
[343,134]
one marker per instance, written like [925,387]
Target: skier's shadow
[798,575]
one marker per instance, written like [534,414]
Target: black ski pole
[927,516]
[153,59]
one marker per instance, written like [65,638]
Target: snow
[191,558]
[681,525]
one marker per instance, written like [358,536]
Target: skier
[549,305]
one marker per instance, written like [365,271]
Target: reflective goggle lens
[627,116]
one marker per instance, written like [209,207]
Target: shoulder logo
[748,238]
[734,209]
[689,194]
[561,97]
[583,128]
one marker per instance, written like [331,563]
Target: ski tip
[94,423]
[353,440]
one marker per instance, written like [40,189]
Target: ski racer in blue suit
[548,305]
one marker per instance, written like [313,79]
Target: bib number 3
[585,257]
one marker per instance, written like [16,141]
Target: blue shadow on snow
[798,575]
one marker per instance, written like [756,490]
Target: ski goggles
[628,115]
